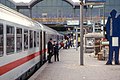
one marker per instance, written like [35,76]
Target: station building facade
[62,9]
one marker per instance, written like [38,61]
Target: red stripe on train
[6,68]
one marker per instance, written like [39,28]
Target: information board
[73,22]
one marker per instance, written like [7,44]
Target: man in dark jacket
[50,50]
[56,51]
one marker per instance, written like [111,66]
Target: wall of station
[60,8]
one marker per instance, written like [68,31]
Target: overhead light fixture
[22,1]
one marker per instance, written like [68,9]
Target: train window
[18,39]
[35,42]
[1,40]
[37,39]
[10,39]
[25,39]
[31,39]
[78,35]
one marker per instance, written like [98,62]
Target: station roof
[74,2]
[25,3]
[31,3]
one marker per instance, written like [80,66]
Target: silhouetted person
[112,31]
[56,51]
[118,26]
[50,50]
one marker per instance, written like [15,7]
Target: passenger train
[23,44]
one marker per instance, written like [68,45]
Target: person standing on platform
[112,30]
[61,44]
[50,50]
[56,51]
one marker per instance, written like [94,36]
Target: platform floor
[68,68]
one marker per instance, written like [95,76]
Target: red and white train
[23,44]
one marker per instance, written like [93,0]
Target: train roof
[11,15]
[47,29]
[14,16]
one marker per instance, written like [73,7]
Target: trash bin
[100,56]
[97,45]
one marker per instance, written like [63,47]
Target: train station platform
[68,68]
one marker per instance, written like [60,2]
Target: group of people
[66,44]
[53,49]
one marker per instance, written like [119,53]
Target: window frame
[1,25]
[27,39]
[21,39]
[31,36]
[38,38]
[9,53]
[35,39]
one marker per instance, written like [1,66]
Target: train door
[44,46]
[41,60]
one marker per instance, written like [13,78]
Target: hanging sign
[73,22]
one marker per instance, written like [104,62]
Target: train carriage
[23,44]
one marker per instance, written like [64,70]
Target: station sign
[73,22]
